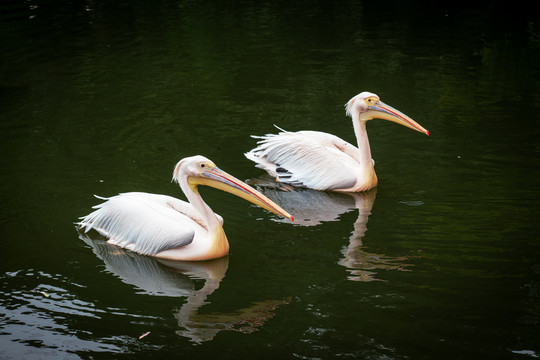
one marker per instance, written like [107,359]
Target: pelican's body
[169,228]
[322,161]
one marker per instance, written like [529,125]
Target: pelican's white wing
[306,158]
[143,222]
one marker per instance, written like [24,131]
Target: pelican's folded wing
[305,158]
[141,222]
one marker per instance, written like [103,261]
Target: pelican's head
[367,106]
[198,170]
[191,167]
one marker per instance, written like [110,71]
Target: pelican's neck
[364,154]
[207,214]
[367,178]
[214,244]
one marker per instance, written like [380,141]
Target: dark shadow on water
[313,208]
[159,277]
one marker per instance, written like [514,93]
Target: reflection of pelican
[321,161]
[203,327]
[310,208]
[169,228]
[155,276]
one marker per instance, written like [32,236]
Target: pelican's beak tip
[427,132]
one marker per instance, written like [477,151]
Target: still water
[440,261]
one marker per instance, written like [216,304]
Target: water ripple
[39,318]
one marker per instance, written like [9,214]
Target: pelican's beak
[382,111]
[219,179]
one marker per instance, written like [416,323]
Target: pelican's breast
[207,244]
[365,181]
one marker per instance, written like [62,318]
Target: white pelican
[322,161]
[165,227]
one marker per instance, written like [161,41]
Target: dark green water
[441,261]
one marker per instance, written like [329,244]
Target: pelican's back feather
[305,158]
[142,222]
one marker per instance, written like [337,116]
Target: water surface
[440,261]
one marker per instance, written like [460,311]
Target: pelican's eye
[204,166]
[371,101]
